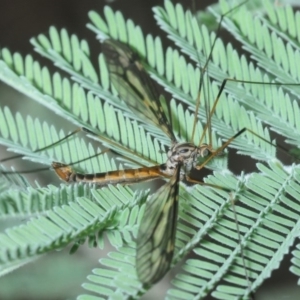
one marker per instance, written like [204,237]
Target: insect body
[156,236]
[185,154]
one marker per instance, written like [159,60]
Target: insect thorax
[187,154]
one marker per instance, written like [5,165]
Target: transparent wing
[134,85]
[156,236]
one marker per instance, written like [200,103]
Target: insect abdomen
[128,176]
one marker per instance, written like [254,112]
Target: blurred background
[59,275]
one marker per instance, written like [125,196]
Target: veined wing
[134,85]
[156,235]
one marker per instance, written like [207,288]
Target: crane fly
[157,232]
[156,235]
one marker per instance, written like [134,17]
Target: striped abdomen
[128,176]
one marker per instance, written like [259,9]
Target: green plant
[267,206]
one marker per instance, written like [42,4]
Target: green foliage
[266,202]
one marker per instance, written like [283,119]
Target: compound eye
[205,152]
[184,150]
